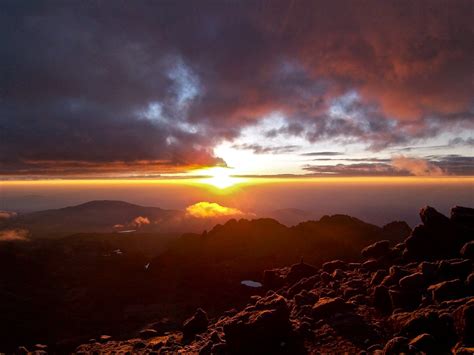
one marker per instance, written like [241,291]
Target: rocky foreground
[414,297]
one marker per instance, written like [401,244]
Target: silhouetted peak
[95,204]
[339,219]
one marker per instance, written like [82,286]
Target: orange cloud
[9,235]
[139,221]
[417,167]
[210,210]
[7,214]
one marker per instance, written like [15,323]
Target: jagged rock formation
[415,297]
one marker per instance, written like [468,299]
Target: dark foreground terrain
[413,297]
[63,291]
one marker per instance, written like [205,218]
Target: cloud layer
[211,210]
[150,87]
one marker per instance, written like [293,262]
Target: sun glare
[220,178]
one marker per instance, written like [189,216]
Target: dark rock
[330,266]
[414,281]
[374,347]
[105,338]
[405,299]
[454,269]
[396,346]
[378,276]
[438,237]
[300,270]
[463,216]
[139,345]
[338,274]
[196,324]
[22,350]
[396,231]
[382,300]
[430,217]
[464,319]
[148,333]
[350,292]
[306,283]
[262,329]
[467,251]
[371,265]
[470,283]
[429,270]
[305,298]
[376,250]
[424,342]
[412,324]
[394,276]
[327,307]
[326,277]
[158,346]
[447,290]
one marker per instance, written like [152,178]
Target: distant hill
[96,217]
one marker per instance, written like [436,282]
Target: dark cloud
[260,149]
[358,169]
[105,85]
[324,154]
[399,166]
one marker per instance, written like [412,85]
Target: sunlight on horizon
[220,177]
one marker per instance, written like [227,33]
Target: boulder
[413,281]
[447,290]
[327,307]
[306,283]
[371,265]
[378,276]
[196,324]
[454,269]
[425,343]
[338,274]
[376,250]
[330,266]
[463,216]
[394,276]
[464,320]
[412,324]
[405,299]
[396,346]
[470,283]
[382,300]
[429,270]
[299,271]
[264,328]
[467,251]
[431,217]
[437,238]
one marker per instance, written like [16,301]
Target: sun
[220,177]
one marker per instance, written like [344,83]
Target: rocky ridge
[414,297]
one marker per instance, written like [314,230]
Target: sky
[122,89]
